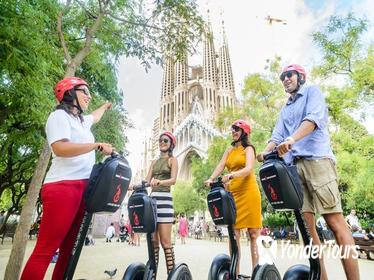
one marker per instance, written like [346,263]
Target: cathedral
[191,98]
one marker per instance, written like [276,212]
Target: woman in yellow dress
[239,159]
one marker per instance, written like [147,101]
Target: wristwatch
[291,139]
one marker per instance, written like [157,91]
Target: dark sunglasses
[85,91]
[235,128]
[287,74]
[165,140]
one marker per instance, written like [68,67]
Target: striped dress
[165,211]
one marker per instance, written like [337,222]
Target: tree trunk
[17,254]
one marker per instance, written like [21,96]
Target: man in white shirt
[352,221]
[110,232]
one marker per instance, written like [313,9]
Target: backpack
[108,184]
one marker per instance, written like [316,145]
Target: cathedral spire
[167,95]
[210,70]
[226,90]
[181,89]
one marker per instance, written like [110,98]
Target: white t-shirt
[110,232]
[61,125]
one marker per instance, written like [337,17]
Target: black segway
[107,187]
[222,209]
[282,187]
[143,219]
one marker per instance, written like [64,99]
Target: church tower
[181,90]
[226,90]
[191,98]
[167,96]
[209,74]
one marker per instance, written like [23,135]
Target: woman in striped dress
[162,175]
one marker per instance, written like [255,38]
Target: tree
[186,200]
[340,43]
[90,32]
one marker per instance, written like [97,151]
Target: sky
[251,41]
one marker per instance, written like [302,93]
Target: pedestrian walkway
[198,254]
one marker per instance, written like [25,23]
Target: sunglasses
[163,140]
[235,128]
[287,74]
[85,91]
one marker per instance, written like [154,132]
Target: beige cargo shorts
[320,186]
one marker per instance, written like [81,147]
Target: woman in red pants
[73,146]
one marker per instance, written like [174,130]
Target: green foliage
[203,168]
[276,219]
[33,58]
[186,200]
[339,41]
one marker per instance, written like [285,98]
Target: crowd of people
[300,136]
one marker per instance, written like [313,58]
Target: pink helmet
[298,68]
[67,84]
[243,125]
[171,136]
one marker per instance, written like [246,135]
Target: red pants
[63,210]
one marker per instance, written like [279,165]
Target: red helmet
[298,68]
[243,125]
[171,136]
[67,84]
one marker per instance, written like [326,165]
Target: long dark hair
[67,104]
[244,140]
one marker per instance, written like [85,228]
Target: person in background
[353,221]
[183,228]
[110,233]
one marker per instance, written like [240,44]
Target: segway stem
[234,251]
[315,268]
[74,257]
[151,253]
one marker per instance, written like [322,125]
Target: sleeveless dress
[165,211]
[245,192]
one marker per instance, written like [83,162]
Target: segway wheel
[180,272]
[220,268]
[266,272]
[297,272]
[135,271]
[370,255]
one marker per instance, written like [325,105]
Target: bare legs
[163,236]
[343,237]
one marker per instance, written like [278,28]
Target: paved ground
[198,254]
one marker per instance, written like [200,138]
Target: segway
[107,187]
[142,211]
[282,187]
[222,209]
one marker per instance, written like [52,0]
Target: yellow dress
[245,192]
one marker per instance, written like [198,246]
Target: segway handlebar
[217,183]
[141,186]
[272,155]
